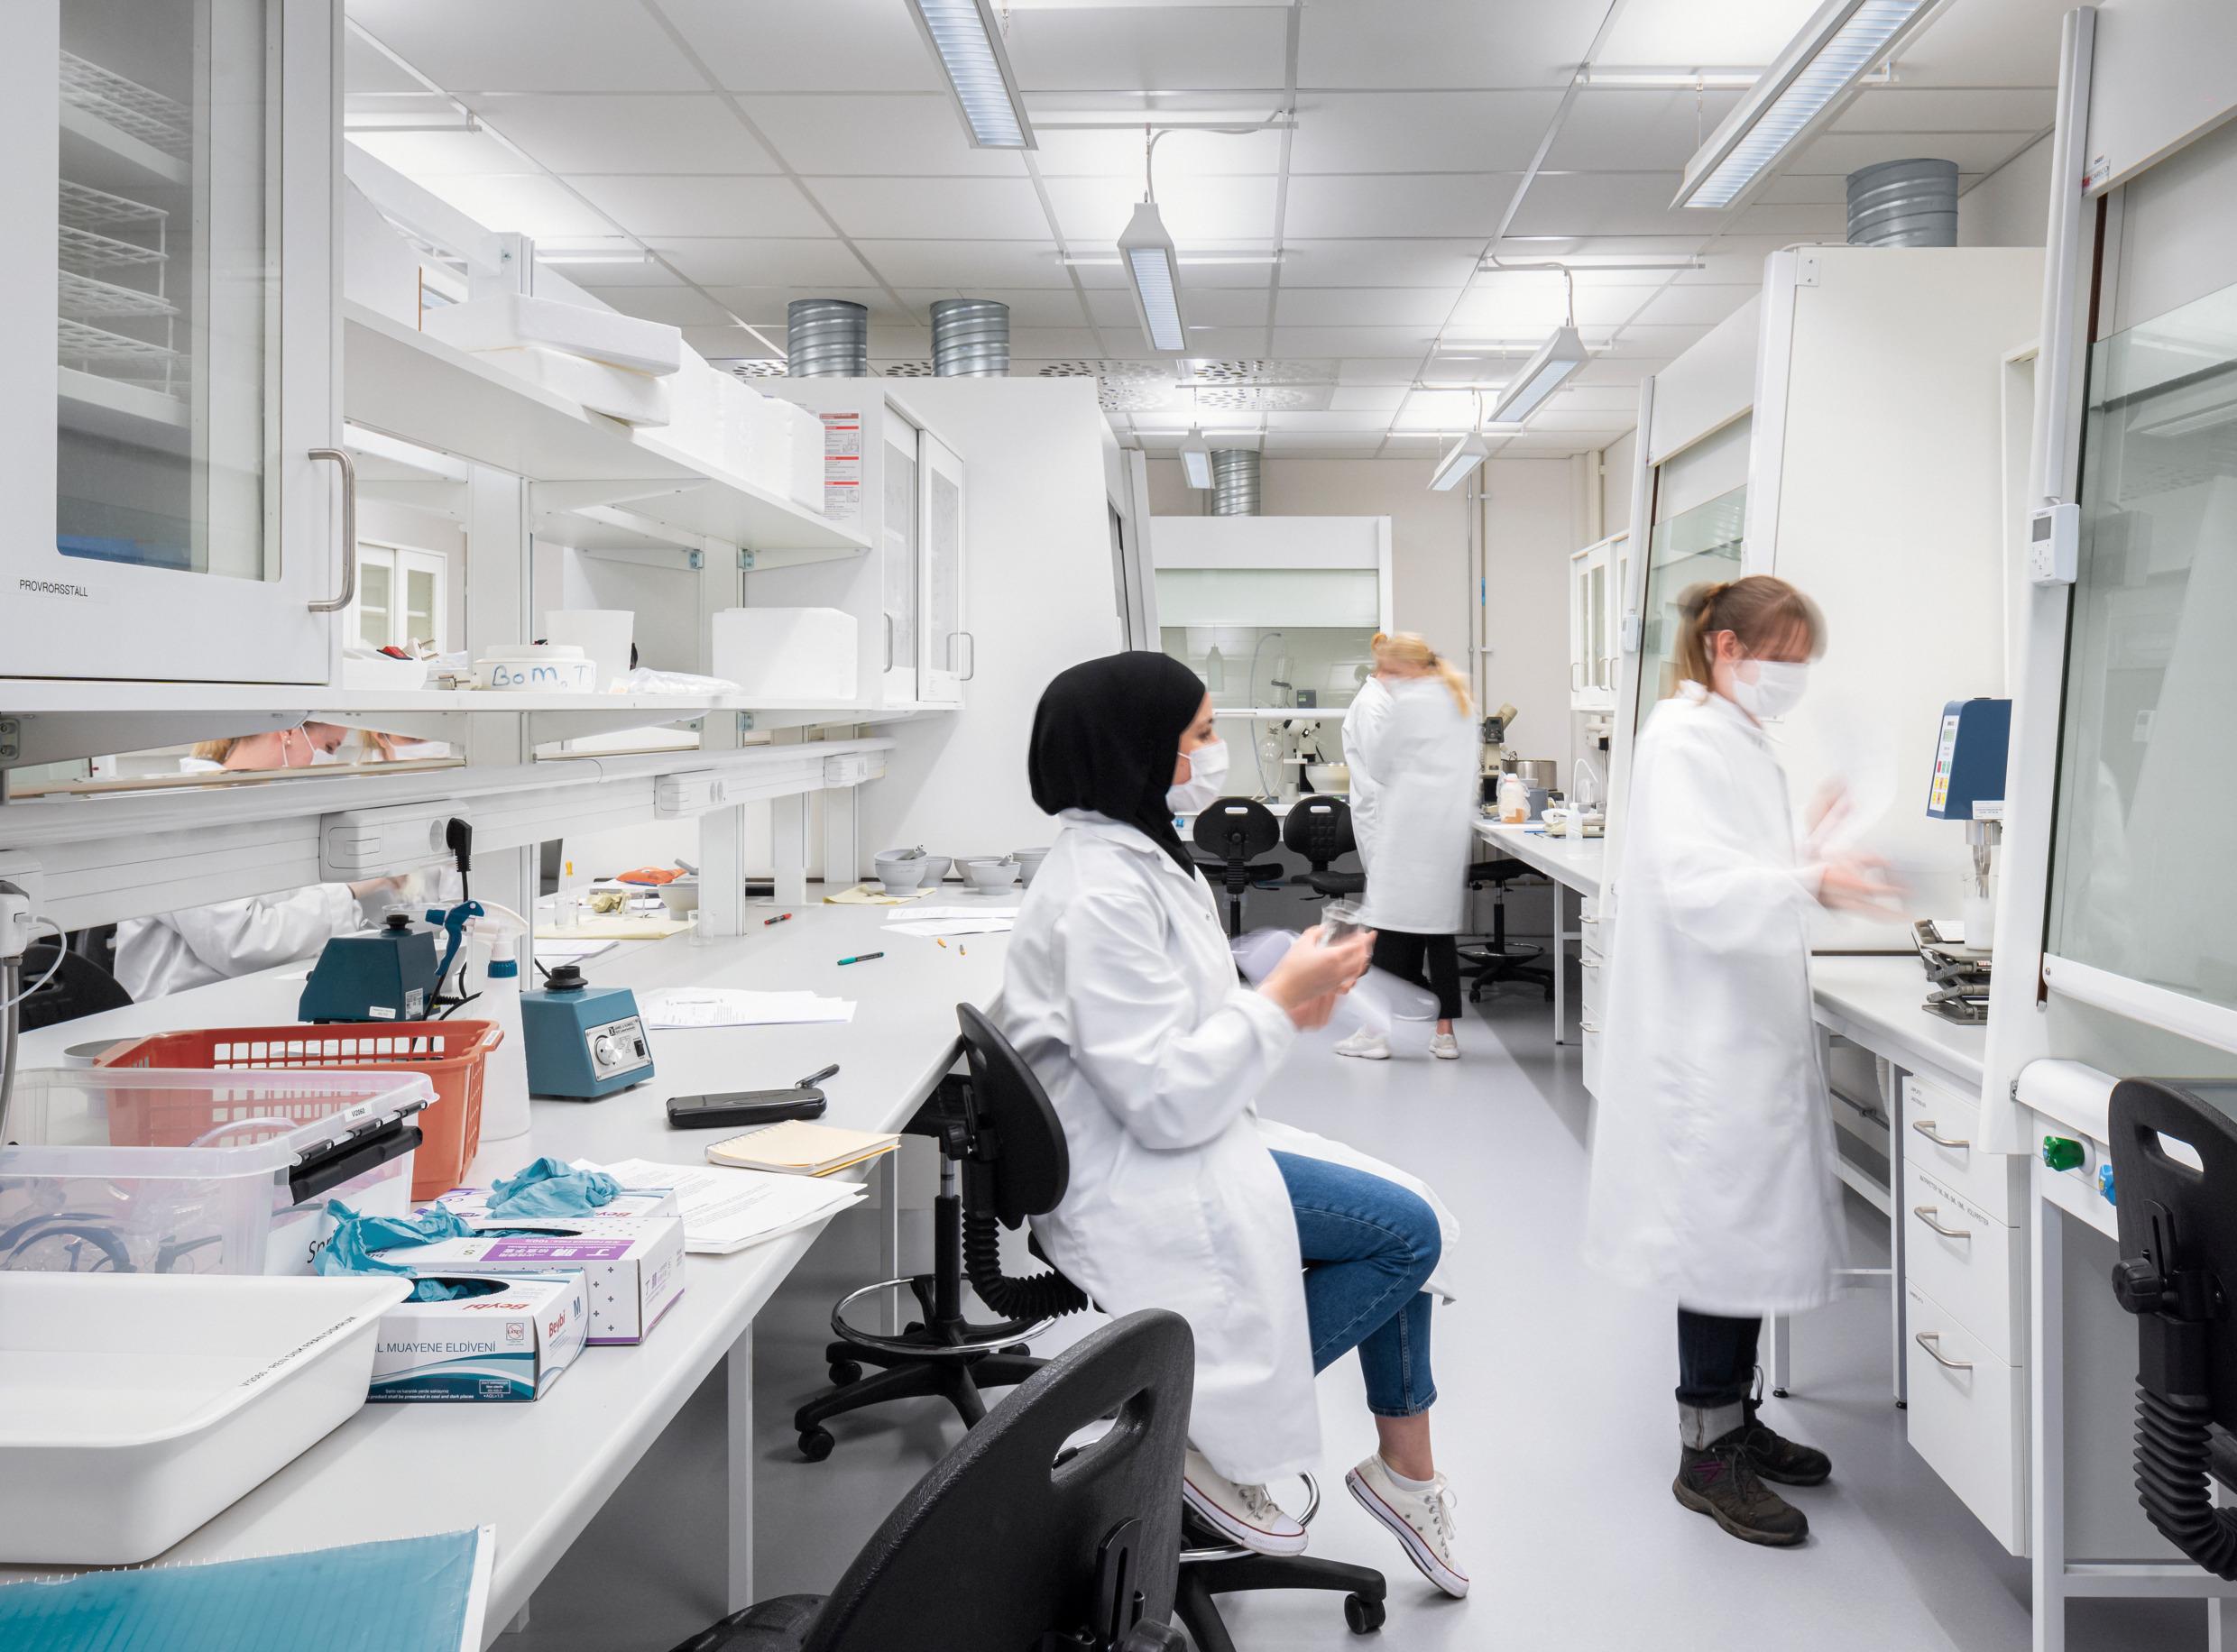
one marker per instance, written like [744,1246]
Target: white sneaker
[1367,1044]
[1422,1521]
[1444,1046]
[1244,1515]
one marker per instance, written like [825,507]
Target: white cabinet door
[1591,677]
[897,551]
[946,649]
[169,362]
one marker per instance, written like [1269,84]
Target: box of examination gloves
[507,1345]
[632,1267]
[472,1206]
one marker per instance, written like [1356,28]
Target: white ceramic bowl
[900,874]
[1029,863]
[1329,776]
[989,871]
[937,867]
[681,897]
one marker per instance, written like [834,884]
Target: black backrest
[80,986]
[1318,829]
[1236,829]
[999,1544]
[1025,1166]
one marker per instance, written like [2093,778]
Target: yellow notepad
[797,1148]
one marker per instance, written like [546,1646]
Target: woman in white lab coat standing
[174,950]
[1283,1252]
[1417,752]
[1712,1150]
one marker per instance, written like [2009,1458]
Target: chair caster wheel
[844,1372]
[815,1444]
[1364,1616]
[1780,1393]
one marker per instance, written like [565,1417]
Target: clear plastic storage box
[138,1170]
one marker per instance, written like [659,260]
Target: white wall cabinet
[170,362]
[946,651]
[1598,576]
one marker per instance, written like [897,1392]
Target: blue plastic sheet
[551,1188]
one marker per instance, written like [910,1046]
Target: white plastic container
[511,320]
[132,1408]
[605,635]
[619,392]
[788,654]
[147,1170]
[804,462]
[531,668]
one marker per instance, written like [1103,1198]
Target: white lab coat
[1712,1152]
[161,955]
[1121,994]
[1422,755]
[1371,709]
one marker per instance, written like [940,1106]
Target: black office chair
[1318,830]
[1230,835]
[2178,1268]
[1002,1159]
[1494,961]
[80,986]
[1013,1543]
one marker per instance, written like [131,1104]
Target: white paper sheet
[931,927]
[721,1007]
[570,951]
[926,914]
[726,1210]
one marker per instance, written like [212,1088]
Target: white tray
[134,1407]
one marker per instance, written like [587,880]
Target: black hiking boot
[1777,1458]
[1722,1483]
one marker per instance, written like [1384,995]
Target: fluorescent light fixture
[964,37]
[1468,347]
[1184,258]
[1196,458]
[1687,79]
[1814,76]
[562,256]
[1463,456]
[1152,268]
[1542,375]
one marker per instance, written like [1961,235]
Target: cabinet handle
[887,618]
[1928,1340]
[1925,1127]
[1927,1212]
[1592,1027]
[349,531]
[971,653]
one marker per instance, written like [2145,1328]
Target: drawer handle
[1927,1212]
[1589,1026]
[1925,1127]
[1928,1341]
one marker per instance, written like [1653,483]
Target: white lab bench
[538,1473]
[1572,863]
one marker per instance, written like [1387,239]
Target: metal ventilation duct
[1234,482]
[970,338]
[826,338]
[1903,203]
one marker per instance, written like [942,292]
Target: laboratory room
[1118,826]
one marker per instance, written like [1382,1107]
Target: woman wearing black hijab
[1120,993]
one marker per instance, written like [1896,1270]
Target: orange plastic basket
[452,1053]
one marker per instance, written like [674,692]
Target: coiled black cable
[2173,1448]
[1044,1296]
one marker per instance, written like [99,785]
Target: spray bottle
[505,1071]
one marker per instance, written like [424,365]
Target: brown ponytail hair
[1411,648]
[1763,611]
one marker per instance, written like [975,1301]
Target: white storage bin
[144,1170]
[510,321]
[619,392]
[133,1408]
[788,654]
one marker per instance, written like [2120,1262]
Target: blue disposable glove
[358,1238]
[551,1188]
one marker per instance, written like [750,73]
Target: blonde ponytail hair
[1763,611]
[1411,648]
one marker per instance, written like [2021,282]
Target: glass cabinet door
[945,646]
[191,198]
[897,641]
[1694,546]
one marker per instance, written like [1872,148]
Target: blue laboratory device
[388,974]
[584,1042]
[1969,757]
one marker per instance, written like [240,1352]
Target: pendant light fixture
[1153,269]
[1196,458]
[964,36]
[1546,371]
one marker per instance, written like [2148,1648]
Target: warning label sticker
[843,467]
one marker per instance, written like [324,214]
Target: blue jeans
[1368,1247]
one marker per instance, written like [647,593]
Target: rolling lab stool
[1230,835]
[1319,830]
[1496,961]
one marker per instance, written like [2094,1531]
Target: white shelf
[397,380]
[108,406]
[1280,713]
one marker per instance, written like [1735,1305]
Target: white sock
[1400,1481]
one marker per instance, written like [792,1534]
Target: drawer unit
[1590,931]
[1596,991]
[1968,1418]
[1974,1266]
[1592,1035]
[1941,1130]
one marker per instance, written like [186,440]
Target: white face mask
[1776,690]
[1208,771]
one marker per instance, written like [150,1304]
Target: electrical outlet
[25,873]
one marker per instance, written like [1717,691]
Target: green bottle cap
[2062,1153]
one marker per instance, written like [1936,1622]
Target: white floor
[1555,1423]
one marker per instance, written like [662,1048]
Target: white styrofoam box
[509,320]
[697,427]
[769,427]
[619,392]
[136,1406]
[804,472]
[788,652]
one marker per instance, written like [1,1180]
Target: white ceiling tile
[1608,204]
[365,69]
[1632,129]
[1129,49]
[1379,370]
[1437,411]
[1842,153]
[919,133]
[1523,306]
[1406,204]
[1378,262]
[1385,342]
[1443,43]
[1206,343]
[1111,306]
[1987,43]
[1906,108]
[677,306]
[1366,398]
[970,264]
[625,132]
[1694,305]
[1419,131]
[829,46]
[1181,153]
[1332,306]
[1675,34]
[765,306]
[1807,189]
[530,45]
[1218,306]
[1330,421]
[891,343]
[1054,341]
[437,154]
[720,261]
[989,208]
[652,205]
[528,202]
[1199,213]
[1028,306]
[1794,222]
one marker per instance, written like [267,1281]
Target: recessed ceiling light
[1152,269]
[964,37]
